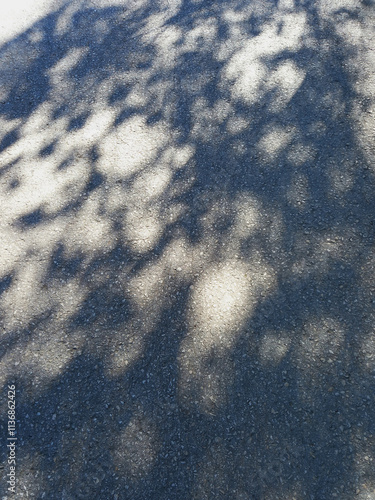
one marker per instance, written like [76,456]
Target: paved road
[187,250]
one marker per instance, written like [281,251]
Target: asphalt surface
[187,250]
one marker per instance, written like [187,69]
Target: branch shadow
[186,288]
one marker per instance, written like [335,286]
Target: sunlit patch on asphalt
[221,302]
[273,348]
[136,447]
[247,72]
[274,141]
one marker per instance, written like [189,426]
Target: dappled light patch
[364,458]
[248,217]
[31,14]
[247,70]
[155,283]
[95,127]
[61,70]
[130,148]
[223,297]
[327,9]
[203,33]
[89,230]
[285,81]
[342,179]
[168,44]
[274,142]
[366,492]
[151,184]
[222,300]
[65,21]
[273,348]
[143,229]
[178,157]
[136,447]
[236,124]
[70,292]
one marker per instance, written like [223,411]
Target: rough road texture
[187,249]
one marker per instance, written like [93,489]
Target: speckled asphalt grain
[187,249]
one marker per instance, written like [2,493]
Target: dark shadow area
[32,219]
[48,150]
[77,122]
[5,283]
[9,139]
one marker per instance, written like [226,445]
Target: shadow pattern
[187,269]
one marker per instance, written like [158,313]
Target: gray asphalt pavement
[187,255]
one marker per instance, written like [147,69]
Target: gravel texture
[187,249]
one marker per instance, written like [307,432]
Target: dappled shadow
[187,265]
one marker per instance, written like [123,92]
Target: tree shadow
[186,282]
